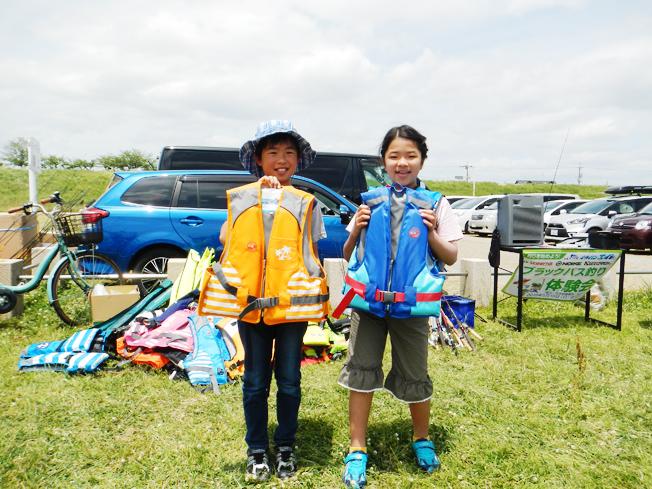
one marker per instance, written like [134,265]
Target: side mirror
[563,211]
[612,214]
[345,214]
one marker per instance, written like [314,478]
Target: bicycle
[77,272]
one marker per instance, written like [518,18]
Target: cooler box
[456,306]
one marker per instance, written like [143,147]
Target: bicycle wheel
[70,297]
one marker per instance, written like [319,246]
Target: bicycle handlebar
[26,208]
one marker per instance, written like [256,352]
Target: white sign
[34,155]
[562,275]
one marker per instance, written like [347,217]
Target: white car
[592,216]
[483,221]
[466,208]
[558,207]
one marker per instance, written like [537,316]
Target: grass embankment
[76,186]
[490,188]
[564,404]
[83,186]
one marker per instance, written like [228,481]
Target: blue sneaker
[426,456]
[355,472]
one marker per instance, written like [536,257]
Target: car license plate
[554,232]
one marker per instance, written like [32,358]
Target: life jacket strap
[388,297]
[357,288]
[265,302]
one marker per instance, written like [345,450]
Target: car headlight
[583,220]
[640,225]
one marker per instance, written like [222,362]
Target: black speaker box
[520,220]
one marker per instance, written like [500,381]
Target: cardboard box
[117,299]
[16,231]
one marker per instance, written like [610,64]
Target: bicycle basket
[76,232]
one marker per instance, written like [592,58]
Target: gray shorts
[408,378]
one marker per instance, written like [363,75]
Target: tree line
[15,154]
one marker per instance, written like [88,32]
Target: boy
[275,284]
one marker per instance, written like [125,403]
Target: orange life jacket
[286,280]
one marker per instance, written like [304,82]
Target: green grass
[563,404]
[490,188]
[79,186]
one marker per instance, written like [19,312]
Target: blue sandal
[426,456]
[355,472]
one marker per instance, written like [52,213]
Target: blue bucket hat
[248,150]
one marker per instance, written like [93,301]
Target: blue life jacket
[205,364]
[394,272]
[73,355]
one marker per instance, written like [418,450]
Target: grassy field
[564,404]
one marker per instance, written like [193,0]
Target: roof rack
[629,190]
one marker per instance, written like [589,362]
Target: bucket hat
[248,150]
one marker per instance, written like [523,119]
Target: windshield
[593,207]
[552,204]
[469,203]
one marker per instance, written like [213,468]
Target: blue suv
[154,216]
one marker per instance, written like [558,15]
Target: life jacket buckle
[385,296]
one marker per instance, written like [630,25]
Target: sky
[504,90]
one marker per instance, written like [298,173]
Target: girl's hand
[362,217]
[429,218]
[270,181]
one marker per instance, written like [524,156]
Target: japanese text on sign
[561,275]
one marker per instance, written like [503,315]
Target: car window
[592,207]
[189,159]
[328,206]
[647,209]
[334,172]
[204,194]
[376,176]
[625,208]
[487,204]
[468,204]
[153,191]
[639,204]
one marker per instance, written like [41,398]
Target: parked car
[592,216]
[466,208]
[635,231]
[456,198]
[154,216]
[344,173]
[483,221]
[557,207]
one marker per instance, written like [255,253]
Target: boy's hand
[429,218]
[270,181]
[362,216]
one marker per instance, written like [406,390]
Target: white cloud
[494,83]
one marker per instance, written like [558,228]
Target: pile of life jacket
[206,350]
[323,343]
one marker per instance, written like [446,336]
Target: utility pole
[467,166]
[579,174]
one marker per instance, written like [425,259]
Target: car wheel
[155,262]
[466,228]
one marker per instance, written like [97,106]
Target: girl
[403,152]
